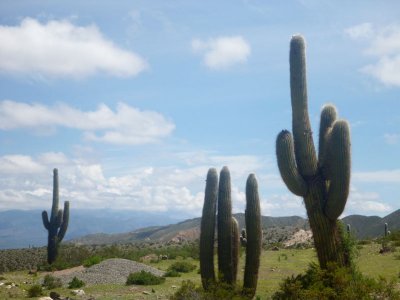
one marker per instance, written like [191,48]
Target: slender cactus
[323,182]
[386,229]
[58,224]
[254,237]
[225,265]
[348,229]
[207,230]
[228,233]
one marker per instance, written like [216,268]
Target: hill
[370,227]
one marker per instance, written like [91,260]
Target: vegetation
[323,182]
[92,260]
[50,282]
[144,278]
[35,291]
[182,267]
[75,283]
[58,223]
[228,234]
[335,282]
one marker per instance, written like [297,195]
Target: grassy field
[275,265]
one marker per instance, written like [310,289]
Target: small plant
[172,273]
[50,282]
[182,266]
[144,278]
[76,283]
[93,260]
[35,291]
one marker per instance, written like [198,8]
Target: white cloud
[384,44]
[127,125]
[62,49]
[382,176]
[222,52]
[19,164]
[391,138]
[368,203]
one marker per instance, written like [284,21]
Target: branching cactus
[58,223]
[322,181]
[228,233]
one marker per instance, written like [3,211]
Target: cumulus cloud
[383,43]
[125,125]
[62,49]
[381,176]
[222,52]
[369,203]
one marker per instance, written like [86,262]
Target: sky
[133,101]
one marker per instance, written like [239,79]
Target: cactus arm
[45,219]
[65,221]
[254,237]
[287,164]
[235,247]
[328,116]
[339,169]
[225,227]
[304,146]
[207,229]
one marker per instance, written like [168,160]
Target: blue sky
[133,101]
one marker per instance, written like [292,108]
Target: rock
[45,298]
[173,286]
[78,292]
[146,292]
[55,296]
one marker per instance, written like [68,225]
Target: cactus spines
[225,266]
[323,182]
[228,233]
[207,229]
[254,236]
[58,224]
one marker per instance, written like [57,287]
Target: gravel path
[114,270]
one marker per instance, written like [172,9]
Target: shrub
[93,260]
[334,283]
[50,282]
[182,266]
[144,278]
[35,291]
[75,283]
[172,273]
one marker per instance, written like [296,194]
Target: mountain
[187,230]
[21,229]
[369,227]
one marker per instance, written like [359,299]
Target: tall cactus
[207,230]
[323,182]
[254,236]
[58,223]
[228,233]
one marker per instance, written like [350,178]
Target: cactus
[254,236]
[243,238]
[228,233]
[207,230]
[348,229]
[58,223]
[386,229]
[323,182]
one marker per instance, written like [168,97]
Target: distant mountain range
[20,229]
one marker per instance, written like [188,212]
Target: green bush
[93,260]
[35,291]
[172,273]
[182,267]
[50,282]
[144,278]
[75,283]
[335,283]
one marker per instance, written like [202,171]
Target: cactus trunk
[254,237]
[207,230]
[225,264]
